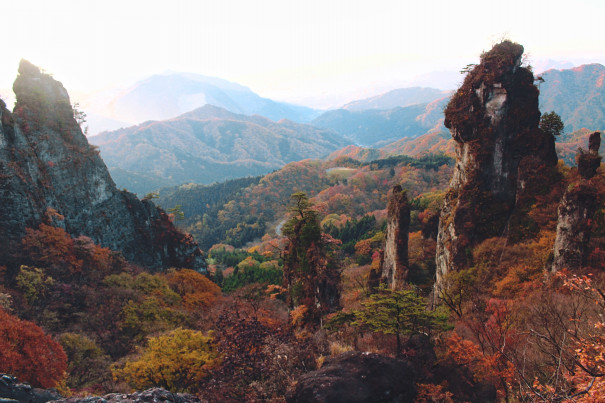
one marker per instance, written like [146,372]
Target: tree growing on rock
[400,313]
[552,124]
[311,273]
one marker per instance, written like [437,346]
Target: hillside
[207,145]
[342,187]
[577,95]
[374,128]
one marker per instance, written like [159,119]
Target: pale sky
[282,49]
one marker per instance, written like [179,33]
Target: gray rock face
[11,390]
[395,266]
[47,163]
[576,209]
[155,395]
[358,377]
[493,119]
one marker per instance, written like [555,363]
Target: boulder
[154,395]
[11,390]
[357,377]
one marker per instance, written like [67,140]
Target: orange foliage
[429,393]
[491,368]
[29,354]
[590,349]
[67,258]
[195,288]
[51,246]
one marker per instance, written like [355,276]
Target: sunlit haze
[313,52]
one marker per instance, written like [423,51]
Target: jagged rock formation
[47,163]
[576,209]
[493,118]
[395,264]
[357,377]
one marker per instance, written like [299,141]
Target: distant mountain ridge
[207,145]
[376,128]
[577,95]
[165,96]
[400,97]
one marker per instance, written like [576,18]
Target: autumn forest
[471,270]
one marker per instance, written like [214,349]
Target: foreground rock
[47,164]
[11,390]
[357,377]
[155,395]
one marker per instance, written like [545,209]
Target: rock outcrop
[357,377]
[395,264]
[576,209]
[493,118]
[47,163]
[11,390]
[154,395]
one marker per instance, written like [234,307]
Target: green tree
[88,364]
[400,313]
[80,117]
[34,283]
[177,212]
[552,124]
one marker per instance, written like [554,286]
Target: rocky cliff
[493,118]
[395,265]
[576,209]
[47,163]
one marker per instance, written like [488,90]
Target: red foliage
[29,354]
[67,258]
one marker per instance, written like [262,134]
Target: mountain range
[213,144]
[577,95]
[207,145]
[165,96]
[378,127]
[401,97]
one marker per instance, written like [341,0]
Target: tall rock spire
[493,118]
[576,209]
[395,264]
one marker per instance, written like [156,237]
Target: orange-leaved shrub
[29,354]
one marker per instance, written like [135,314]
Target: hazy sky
[286,49]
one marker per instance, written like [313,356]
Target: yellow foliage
[177,361]
[337,348]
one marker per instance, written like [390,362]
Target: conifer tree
[311,273]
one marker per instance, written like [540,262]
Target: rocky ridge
[493,118]
[46,164]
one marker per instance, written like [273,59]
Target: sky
[313,52]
